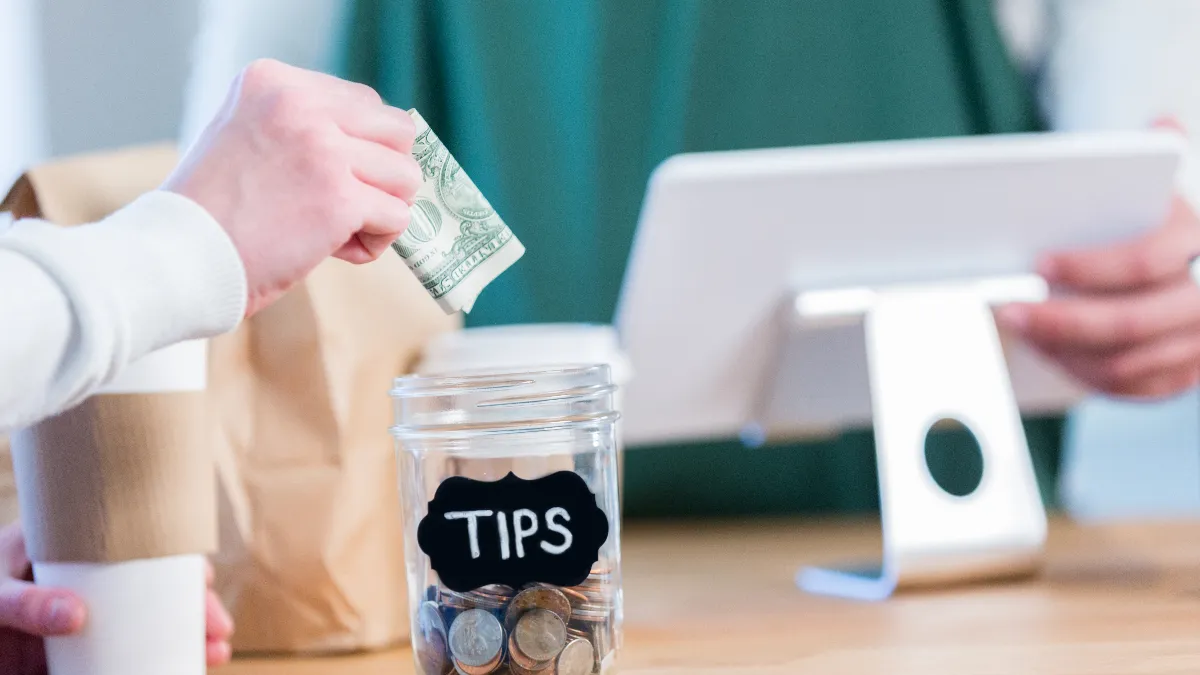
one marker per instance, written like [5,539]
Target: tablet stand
[934,353]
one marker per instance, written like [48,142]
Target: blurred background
[561,110]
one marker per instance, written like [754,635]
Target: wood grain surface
[717,598]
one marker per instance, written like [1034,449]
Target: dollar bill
[456,244]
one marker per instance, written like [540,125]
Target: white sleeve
[1121,64]
[77,304]
[1023,25]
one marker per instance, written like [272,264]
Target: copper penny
[486,669]
[518,670]
[574,594]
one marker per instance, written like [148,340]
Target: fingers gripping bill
[455,243]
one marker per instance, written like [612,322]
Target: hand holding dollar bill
[455,243]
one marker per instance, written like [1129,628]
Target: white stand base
[145,617]
[934,354]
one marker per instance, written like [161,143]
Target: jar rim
[483,379]
[502,401]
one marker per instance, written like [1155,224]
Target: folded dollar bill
[456,244]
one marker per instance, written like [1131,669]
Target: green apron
[560,109]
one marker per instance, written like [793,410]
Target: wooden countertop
[717,598]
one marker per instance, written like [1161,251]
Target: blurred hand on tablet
[1124,320]
[29,613]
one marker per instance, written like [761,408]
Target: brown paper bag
[311,549]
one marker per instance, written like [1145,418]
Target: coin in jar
[537,597]
[518,658]
[518,670]
[471,600]
[540,634]
[430,640]
[498,590]
[488,668]
[577,658]
[574,595]
[455,601]
[476,638]
[588,616]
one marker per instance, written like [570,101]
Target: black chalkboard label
[513,531]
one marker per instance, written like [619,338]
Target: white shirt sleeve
[1023,25]
[78,304]
[1121,64]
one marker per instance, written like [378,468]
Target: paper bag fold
[312,549]
[85,188]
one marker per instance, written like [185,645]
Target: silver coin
[537,597]
[540,634]
[430,640]
[476,638]
[577,658]
[518,659]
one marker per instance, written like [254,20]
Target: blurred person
[567,111]
[296,166]
[1126,319]
[707,75]
[562,113]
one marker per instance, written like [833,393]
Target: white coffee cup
[145,617]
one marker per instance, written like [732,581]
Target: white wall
[114,70]
[22,135]
[119,72]
[84,75]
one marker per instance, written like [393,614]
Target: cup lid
[526,345]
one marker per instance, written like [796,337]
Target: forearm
[79,304]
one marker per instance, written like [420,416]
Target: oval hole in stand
[953,457]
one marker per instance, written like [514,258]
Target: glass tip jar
[509,488]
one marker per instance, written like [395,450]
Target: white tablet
[726,239]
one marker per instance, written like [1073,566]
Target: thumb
[39,611]
[1170,123]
